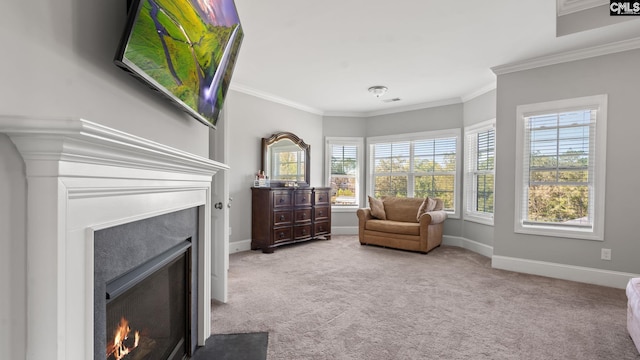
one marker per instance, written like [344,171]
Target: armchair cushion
[427,205]
[396,227]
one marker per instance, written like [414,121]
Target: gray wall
[250,119]
[57,63]
[610,75]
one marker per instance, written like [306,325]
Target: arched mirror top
[286,159]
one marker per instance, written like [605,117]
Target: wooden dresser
[286,215]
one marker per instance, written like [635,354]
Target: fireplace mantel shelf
[86,143]
[83,177]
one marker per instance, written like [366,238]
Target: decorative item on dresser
[286,215]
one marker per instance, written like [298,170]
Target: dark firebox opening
[147,309]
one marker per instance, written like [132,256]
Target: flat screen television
[185,49]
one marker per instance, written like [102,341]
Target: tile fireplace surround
[83,177]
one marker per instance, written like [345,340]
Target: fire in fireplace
[147,309]
[121,345]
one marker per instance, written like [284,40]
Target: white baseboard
[587,275]
[239,246]
[344,230]
[476,247]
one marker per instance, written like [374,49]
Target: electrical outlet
[605,254]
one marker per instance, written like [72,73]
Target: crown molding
[568,56]
[420,106]
[565,7]
[481,91]
[269,97]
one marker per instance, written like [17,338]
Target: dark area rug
[246,346]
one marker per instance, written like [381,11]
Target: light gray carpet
[337,299]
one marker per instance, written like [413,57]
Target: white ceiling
[322,56]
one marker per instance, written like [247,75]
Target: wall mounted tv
[185,49]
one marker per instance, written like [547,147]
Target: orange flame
[118,348]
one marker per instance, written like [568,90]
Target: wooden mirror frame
[266,142]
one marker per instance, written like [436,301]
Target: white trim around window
[480,150]
[550,137]
[353,148]
[410,146]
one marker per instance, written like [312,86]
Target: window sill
[558,231]
[479,219]
[345,209]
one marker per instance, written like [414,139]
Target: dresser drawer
[302,232]
[322,197]
[283,234]
[281,218]
[281,199]
[302,215]
[321,228]
[322,213]
[302,198]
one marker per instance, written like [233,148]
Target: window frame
[597,161]
[426,135]
[359,143]
[471,171]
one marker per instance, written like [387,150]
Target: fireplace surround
[83,177]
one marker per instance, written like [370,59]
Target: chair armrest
[435,217]
[364,214]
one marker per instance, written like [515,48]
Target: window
[560,168]
[416,165]
[480,152]
[344,159]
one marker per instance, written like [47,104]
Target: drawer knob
[281,217]
[281,200]
[320,213]
[281,235]
[304,231]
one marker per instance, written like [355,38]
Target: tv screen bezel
[133,8]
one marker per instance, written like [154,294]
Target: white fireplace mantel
[83,177]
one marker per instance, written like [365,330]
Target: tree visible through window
[344,171]
[560,167]
[480,145]
[343,165]
[423,165]
[558,190]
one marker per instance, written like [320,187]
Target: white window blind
[559,168]
[435,169]
[391,168]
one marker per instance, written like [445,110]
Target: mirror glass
[286,159]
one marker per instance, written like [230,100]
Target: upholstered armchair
[413,224]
